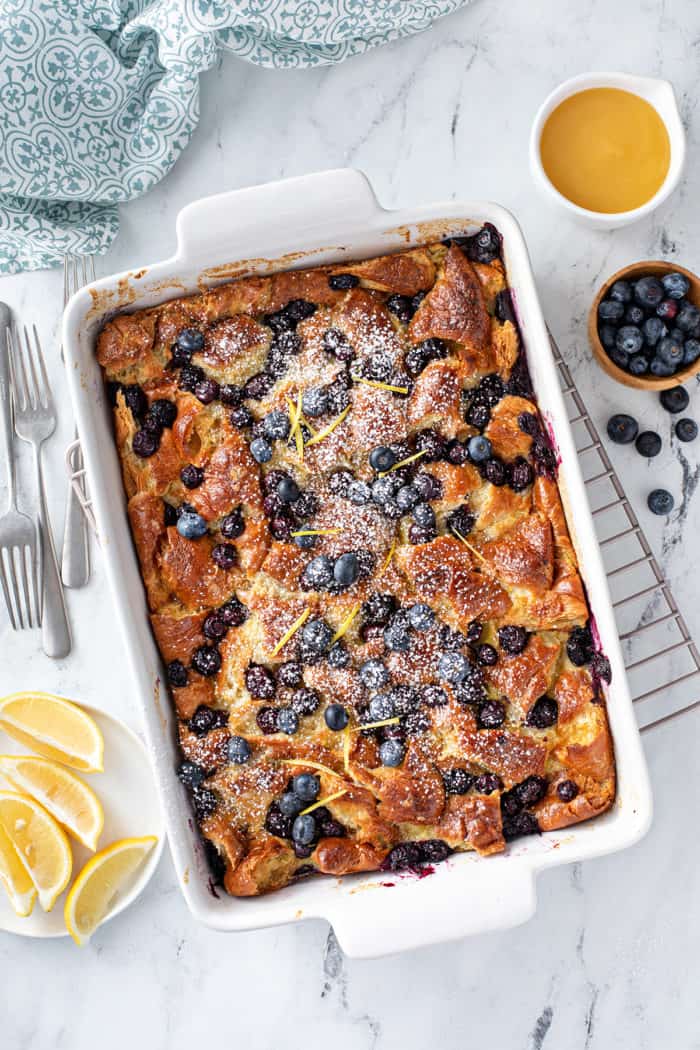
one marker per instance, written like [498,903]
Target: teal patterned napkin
[98,98]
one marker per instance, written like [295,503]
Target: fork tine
[5,589]
[18,376]
[35,397]
[66,283]
[21,558]
[91,269]
[46,391]
[14,584]
[38,573]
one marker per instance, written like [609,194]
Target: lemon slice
[54,728]
[96,888]
[64,795]
[39,843]
[18,886]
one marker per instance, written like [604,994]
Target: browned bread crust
[409,351]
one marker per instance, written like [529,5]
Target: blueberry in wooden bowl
[644,325]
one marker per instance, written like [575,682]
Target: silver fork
[35,421]
[20,548]
[78,270]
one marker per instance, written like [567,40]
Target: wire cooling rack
[662,660]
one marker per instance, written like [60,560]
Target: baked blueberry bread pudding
[357,565]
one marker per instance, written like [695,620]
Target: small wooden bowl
[631,273]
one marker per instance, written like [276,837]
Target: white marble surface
[610,958]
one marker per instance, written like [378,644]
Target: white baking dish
[295,223]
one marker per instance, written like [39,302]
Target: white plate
[130,802]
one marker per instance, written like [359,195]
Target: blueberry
[675,399]
[621,291]
[359,493]
[305,701]
[306,543]
[304,829]
[238,750]
[611,310]
[667,309]
[318,574]
[407,497]
[433,696]
[491,715]
[543,713]
[233,613]
[622,429]
[457,781]
[487,783]
[383,490]
[240,417]
[191,525]
[287,721]
[638,365]
[629,339]
[340,282]
[191,774]
[224,555]
[177,674]
[649,292]
[391,753]
[648,444]
[567,790]
[653,329]
[634,315]
[275,425]
[460,521]
[259,682]
[521,474]
[207,660]
[190,340]
[378,608]
[471,689]
[453,666]
[261,450]
[191,476]
[670,351]
[691,351]
[483,246]
[335,342]
[686,430]
[421,617]
[660,501]
[266,719]
[336,717]
[317,635]
[479,449]
[607,334]
[676,285]
[512,639]
[486,656]
[428,486]
[396,636]
[288,490]
[314,402]
[620,358]
[579,646]
[424,515]
[400,306]
[381,707]
[163,412]
[338,655]
[214,627]
[661,368]
[290,804]
[306,786]
[688,317]
[145,443]
[373,674]
[346,569]
[206,390]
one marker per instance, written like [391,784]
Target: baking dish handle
[305,206]
[403,912]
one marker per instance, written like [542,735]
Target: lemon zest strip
[310,765]
[390,555]
[328,429]
[316,532]
[292,631]
[377,725]
[323,801]
[468,545]
[381,386]
[346,623]
[403,462]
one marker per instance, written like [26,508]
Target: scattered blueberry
[487,783]
[648,444]
[306,786]
[275,425]
[491,715]
[433,696]
[304,829]
[238,750]
[346,569]
[224,555]
[424,515]
[453,666]
[288,490]
[675,399]
[233,613]
[486,655]
[457,781]
[421,617]
[317,635]
[191,476]
[190,340]
[338,655]
[407,497]
[145,443]
[567,790]
[359,493]
[290,804]
[378,608]
[287,721]
[686,430]
[396,636]
[512,639]
[191,525]
[336,717]
[340,282]
[622,429]
[261,450]
[177,674]
[579,646]
[479,449]
[391,753]
[543,713]
[660,501]
[207,660]
[259,682]
[305,701]
[381,707]
[318,574]
[191,774]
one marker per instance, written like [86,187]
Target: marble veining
[611,957]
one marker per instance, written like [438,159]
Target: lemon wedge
[40,844]
[54,728]
[65,796]
[18,886]
[97,887]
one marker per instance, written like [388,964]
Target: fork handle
[6,435]
[75,556]
[55,629]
